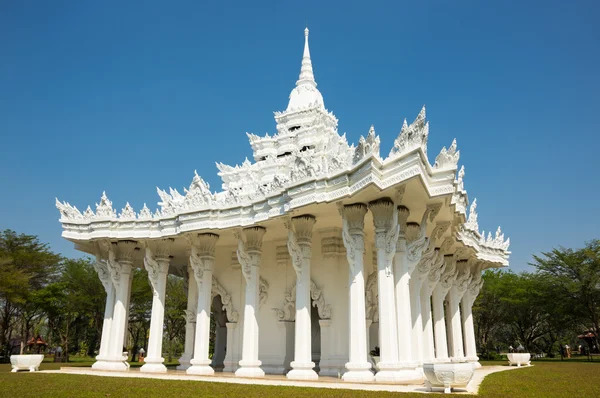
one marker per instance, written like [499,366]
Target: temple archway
[218,333]
[315,330]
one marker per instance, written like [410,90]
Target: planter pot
[447,375]
[26,362]
[519,358]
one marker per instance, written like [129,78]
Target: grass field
[545,379]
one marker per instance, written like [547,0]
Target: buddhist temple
[312,256]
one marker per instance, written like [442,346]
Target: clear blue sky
[127,96]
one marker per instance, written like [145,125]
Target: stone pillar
[103,273]
[156,262]
[120,260]
[439,294]
[249,255]
[190,321]
[202,259]
[412,241]
[454,296]
[426,311]
[328,366]
[229,363]
[369,322]
[385,219]
[467,317]
[353,219]
[300,248]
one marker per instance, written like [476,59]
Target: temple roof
[306,162]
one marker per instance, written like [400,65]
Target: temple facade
[316,258]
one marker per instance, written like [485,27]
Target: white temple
[310,257]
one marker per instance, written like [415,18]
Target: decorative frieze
[218,289]
[332,245]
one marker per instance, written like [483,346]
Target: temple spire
[306,72]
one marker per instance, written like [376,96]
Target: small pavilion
[312,254]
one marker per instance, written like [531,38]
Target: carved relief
[218,289]
[288,310]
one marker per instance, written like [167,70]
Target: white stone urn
[519,358]
[447,375]
[26,362]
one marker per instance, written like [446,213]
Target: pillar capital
[125,250]
[157,267]
[119,261]
[383,213]
[203,245]
[249,249]
[353,235]
[300,240]
[302,227]
[385,221]
[354,217]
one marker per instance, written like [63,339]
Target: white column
[454,296]
[156,262]
[190,320]
[300,248]
[229,363]
[412,241]
[467,317]
[385,219]
[202,260]
[426,311]
[103,273]
[353,219]
[249,255]
[329,367]
[439,295]
[416,282]
[119,264]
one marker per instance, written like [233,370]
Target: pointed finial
[306,72]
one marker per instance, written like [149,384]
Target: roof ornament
[448,158]
[412,136]
[305,94]
[127,213]
[306,71]
[67,211]
[472,223]
[145,213]
[104,208]
[460,184]
[367,146]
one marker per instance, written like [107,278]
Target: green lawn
[545,379]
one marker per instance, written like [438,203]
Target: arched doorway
[218,334]
[315,330]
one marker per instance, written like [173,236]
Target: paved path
[275,380]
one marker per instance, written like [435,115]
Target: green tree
[175,305]
[26,266]
[74,306]
[140,308]
[575,275]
